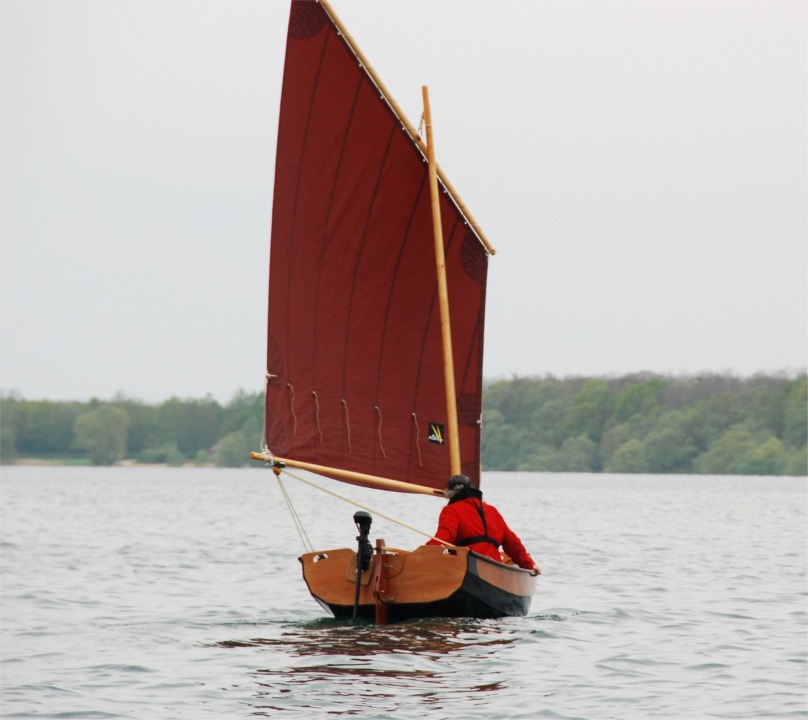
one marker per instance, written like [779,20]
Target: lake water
[176,593]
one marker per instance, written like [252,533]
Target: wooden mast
[443,296]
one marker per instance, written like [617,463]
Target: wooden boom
[371,480]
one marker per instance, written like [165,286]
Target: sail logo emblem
[436,433]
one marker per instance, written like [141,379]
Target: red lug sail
[354,360]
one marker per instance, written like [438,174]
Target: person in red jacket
[468,522]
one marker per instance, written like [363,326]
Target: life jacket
[453,520]
[477,495]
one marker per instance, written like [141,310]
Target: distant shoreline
[133,464]
[65,462]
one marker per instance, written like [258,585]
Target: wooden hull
[428,582]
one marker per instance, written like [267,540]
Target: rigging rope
[295,517]
[344,499]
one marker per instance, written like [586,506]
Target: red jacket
[460,520]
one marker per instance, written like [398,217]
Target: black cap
[458,481]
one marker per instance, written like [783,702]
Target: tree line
[175,432]
[710,424]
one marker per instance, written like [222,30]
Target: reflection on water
[430,661]
[441,636]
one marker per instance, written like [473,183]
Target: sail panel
[354,359]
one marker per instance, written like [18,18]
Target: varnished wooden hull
[427,582]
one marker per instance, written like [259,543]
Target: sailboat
[377,290]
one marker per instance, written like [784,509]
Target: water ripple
[172,594]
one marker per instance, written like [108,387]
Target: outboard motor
[364,552]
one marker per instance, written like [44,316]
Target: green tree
[795,415]
[796,462]
[143,431]
[592,410]
[614,437]
[578,455]
[8,446]
[233,450]
[503,443]
[102,432]
[191,424]
[44,428]
[696,423]
[669,448]
[733,444]
[547,421]
[174,456]
[725,410]
[168,454]
[641,398]
[768,458]
[244,410]
[628,458]
[543,459]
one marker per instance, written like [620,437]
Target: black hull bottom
[475,599]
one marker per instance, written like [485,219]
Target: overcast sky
[639,166]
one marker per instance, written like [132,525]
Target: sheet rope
[299,524]
[301,530]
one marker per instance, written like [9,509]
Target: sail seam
[347,425]
[379,429]
[317,414]
[418,440]
[292,408]
[267,379]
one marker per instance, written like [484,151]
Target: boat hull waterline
[430,581]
